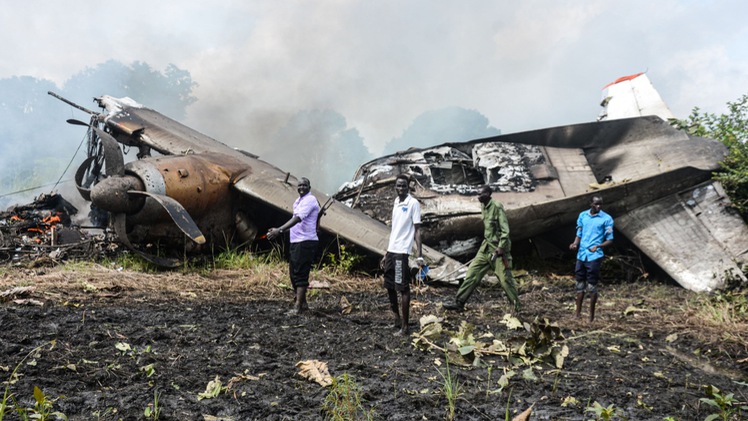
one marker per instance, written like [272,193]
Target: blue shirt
[593,230]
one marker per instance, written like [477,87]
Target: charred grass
[110,342]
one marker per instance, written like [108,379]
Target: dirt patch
[109,340]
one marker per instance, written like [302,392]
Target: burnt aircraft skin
[546,177]
[549,183]
[203,189]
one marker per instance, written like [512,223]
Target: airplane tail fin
[632,96]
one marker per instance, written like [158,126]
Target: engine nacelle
[200,183]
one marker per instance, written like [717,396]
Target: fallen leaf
[525,415]
[29,301]
[214,418]
[427,320]
[672,337]
[318,284]
[633,309]
[570,401]
[511,322]
[345,306]
[528,374]
[212,390]
[316,371]
[16,291]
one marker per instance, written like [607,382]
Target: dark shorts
[396,272]
[300,260]
[587,275]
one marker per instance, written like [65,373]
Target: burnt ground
[110,340]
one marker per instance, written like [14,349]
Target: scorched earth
[104,344]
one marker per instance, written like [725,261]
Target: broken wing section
[693,235]
[136,125]
[350,224]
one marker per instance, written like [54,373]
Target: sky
[522,64]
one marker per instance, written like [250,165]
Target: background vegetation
[731,129]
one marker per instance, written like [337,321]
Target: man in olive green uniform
[494,254]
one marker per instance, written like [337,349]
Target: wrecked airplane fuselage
[196,193]
[546,177]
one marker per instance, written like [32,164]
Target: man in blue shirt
[594,232]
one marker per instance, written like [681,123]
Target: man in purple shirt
[304,240]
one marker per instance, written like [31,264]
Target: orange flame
[52,219]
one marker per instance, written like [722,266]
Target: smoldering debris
[43,230]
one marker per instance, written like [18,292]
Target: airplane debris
[187,190]
[43,230]
[654,178]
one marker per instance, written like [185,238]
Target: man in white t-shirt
[406,223]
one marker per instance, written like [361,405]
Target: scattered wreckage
[655,181]
[43,230]
[191,192]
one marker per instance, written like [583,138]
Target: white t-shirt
[405,215]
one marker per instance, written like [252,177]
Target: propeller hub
[110,194]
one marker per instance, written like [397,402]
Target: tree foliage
[731,129]
[318,144]
[451,124]
[36,145]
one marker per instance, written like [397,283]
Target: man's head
[402,186]
[303,186]
[485,194]
[596,203]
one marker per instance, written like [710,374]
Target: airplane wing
[258,180]
[350,224]
[155,130]
[692,235]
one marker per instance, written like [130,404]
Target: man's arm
[503,225]
[607,236]
[578,238]
[417,238]
[274,232]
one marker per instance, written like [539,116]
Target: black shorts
[397,274]
[300,260]
[587,275]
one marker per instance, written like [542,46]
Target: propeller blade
[178,214]
[76,122]
[115,162]
[120,227]
[84,192]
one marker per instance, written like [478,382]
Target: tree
[36,145]
[169,92]
[317,144]
[732,130]
[451,124]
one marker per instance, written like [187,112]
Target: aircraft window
[457,174]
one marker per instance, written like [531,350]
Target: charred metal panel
[683,233]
